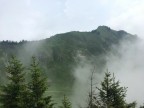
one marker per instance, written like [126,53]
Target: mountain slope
[59,55]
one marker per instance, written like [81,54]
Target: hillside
[59,55]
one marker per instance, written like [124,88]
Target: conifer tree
[111,93]
[38,87]
[12,93]
[66,103]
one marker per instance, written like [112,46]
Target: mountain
[59,55]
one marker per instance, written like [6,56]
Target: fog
[83,73]
[125,60]
[28,50]
[128,65]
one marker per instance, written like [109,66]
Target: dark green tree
[141,106]
[12,94]
[131,105]
[38,87]
[66,103]
[111,94]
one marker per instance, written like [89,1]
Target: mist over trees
[109,94]
[66,60]
[60,54]
[19,93]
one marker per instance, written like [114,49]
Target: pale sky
[39,19]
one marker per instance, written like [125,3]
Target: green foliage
[131,105]
[17,94]
[111,94]
[141,106]
[65,103]
[58,54]
[12,93]
[38,87]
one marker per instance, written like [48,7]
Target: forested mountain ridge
[60,54]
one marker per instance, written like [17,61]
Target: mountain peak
[103,28]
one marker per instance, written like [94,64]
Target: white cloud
[17,20]
[28,19]
[128,68]
[130,17]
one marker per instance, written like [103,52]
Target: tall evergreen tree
[111,94]
[12,93]
[38,87]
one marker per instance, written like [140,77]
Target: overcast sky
[38,19]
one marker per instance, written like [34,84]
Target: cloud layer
[128,66]
[35,19]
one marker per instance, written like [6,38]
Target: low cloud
[126,62]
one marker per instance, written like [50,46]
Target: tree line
[18,93]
